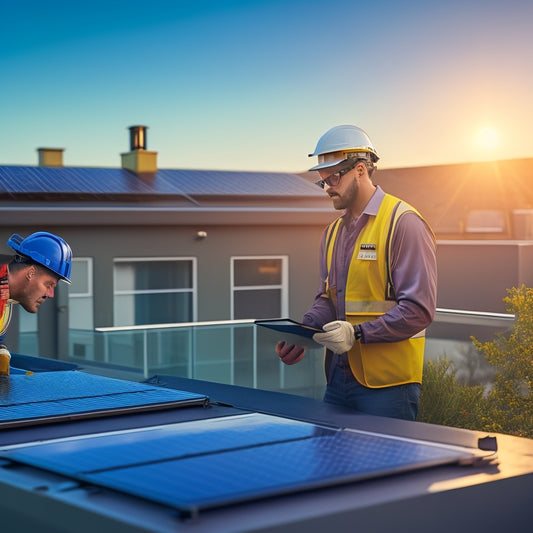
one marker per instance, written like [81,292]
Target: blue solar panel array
[101,181]
[211,182]
[230,476]
[49,396]
[210,463]
[70,180]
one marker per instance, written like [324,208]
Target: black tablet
[286,325]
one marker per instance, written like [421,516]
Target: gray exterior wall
[213,255]
[213,259]
[111,213]
[475,275]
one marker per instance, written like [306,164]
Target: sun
[488,138]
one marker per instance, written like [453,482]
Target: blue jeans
[399,401]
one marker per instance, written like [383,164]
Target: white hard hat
[341,143]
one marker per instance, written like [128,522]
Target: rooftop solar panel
[102,181]
[169,442]
[219,182]
[54,396]
[71,180]
[211,463]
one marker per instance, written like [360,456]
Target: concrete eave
[165,215]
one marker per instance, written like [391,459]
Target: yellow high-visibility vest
[5,319]
[369,294]
[5,308]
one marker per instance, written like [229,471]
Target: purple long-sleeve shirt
[414,276]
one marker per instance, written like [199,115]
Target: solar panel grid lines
[70,180]
[95,180]
[198,464]
[216,462]
[219,182]
[51,396]
[191,484]
[170,442]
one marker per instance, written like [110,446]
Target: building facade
[156,246]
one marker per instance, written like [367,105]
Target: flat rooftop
[174,454]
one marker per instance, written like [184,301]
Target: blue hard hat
[47,249]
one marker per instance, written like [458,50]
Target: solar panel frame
[284,456]
[41,398]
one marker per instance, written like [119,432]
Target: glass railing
[240,353]
[232,352]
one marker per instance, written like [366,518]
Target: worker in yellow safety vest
[29,278]
[378,286]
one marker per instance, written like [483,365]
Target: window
[486,221]
[154,291]
[28,332]
[80,294]
[259,287]
[81,309]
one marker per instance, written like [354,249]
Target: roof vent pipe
[138,137]
[139,160]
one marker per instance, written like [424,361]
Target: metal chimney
[139,160]
[138,137]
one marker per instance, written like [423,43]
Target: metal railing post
[145,353]
[254,355]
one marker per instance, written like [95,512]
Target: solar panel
[72,180]
[173,441]
[53,396]
[211,463]
[219,182]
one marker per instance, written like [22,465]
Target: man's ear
[30,273]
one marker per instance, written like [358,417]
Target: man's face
[345,192]
[39,286]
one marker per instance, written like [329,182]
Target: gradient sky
[252,84]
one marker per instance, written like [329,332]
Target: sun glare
[487,138]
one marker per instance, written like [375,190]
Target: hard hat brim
[328,164]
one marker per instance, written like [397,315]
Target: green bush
[511,397]
[507,407]
[446,402]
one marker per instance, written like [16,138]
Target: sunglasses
[334,179]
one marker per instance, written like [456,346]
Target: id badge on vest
[367,252]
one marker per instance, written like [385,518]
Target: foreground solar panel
[55,396]
[215,462]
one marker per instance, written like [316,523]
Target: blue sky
[251,85]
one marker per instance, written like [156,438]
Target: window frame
[193,290]
[82,336]
[90,293]
[283,286]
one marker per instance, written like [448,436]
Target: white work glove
[338,336]
[5,358]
